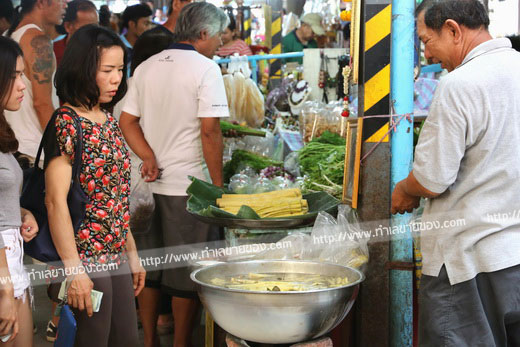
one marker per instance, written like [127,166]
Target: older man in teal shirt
[303,37]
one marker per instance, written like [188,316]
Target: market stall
[300,131]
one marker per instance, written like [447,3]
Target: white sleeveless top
[24,122]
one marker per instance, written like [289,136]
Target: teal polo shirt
[291,43]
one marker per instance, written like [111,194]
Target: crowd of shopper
[79,80]
[124,97]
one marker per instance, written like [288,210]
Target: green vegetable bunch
[322,160]
[242,159]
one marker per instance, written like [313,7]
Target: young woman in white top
[15,223]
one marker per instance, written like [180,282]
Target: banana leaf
[203,196]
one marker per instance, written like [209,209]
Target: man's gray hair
[197,17]
[470,13]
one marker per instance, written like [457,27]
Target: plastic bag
[142,205]
[253,110]
[260,145]
[292,164]
[240,184]
[230,94]
[332,241]
[345,242]
[298,251]
[317,117]
[245,101]
[277,99]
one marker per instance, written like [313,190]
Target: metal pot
[277,317]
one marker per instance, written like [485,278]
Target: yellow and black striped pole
[378,19]
[273,35]
[246,27]
[374,190]
[276,45]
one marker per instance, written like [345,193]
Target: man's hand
[134,136]
[403,202]
[29,227]
[79,293]
[150,170]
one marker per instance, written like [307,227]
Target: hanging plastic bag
[298,251]
[142,204]
[345,243]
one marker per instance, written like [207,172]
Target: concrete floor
[42,312]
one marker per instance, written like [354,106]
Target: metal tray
[266,223]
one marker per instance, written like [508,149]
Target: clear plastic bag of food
[260,145]
[262,185]
[299,242]
[316,118]
[340,241]
[142,205]
[292,164]
[240,184]
[282,182]
[310,120]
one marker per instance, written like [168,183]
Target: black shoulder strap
[76,166]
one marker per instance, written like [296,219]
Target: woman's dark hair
[25,7]
[150,43]
[75,78]
[9,53]
[232,22]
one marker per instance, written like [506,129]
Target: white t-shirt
[24,122]
[170,92]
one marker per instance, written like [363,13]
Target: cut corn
[281,203]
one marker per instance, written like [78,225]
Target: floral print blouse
[105,179]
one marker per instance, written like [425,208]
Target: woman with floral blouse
[89,80]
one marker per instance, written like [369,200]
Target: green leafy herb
[242,159]
[323,164]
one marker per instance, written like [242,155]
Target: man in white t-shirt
[171,120]
[31,32]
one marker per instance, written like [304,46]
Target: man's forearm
[412,187]
[134,136]
[212,149]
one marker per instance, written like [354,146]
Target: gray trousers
[484,311]
[173,230]
[115,325]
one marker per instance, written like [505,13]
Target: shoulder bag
[33,197]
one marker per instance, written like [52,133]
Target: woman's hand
[8,312]
[138,273]
[29,228]
[78,294]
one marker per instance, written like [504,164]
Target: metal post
[401,249]
[275,67]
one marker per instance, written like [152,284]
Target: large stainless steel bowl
[277,317]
